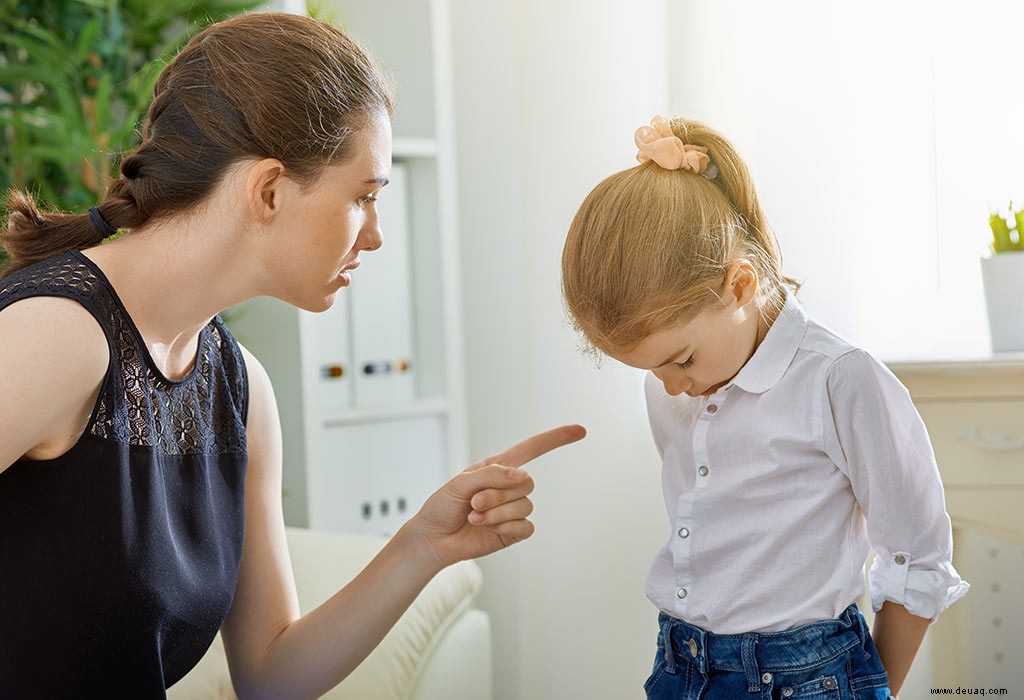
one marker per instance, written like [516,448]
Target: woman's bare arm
[53,358]
[275,653]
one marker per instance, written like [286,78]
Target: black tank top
[119,559]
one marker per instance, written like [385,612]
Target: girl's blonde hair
[650,247]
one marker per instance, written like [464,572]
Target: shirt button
[712,408]
[830,683]
[900,559]
[766,678]
[684,533]
[681,593]
[703,471]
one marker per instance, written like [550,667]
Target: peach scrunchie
[657,142]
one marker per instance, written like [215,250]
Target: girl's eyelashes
[368,198]
[686,363]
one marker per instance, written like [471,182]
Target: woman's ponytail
[32,235]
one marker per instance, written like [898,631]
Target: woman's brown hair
[650,247]
[263,85]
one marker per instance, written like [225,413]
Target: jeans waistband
[758,653]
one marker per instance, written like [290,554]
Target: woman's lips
[344,276]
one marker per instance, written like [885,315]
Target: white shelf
[349,442]
[417,409]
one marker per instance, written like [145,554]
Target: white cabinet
[380,309]
[375,477]
[371,391]
[974,411]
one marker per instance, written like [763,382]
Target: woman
[140,448]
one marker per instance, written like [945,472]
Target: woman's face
[321,229]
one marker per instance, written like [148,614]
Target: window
[879,135]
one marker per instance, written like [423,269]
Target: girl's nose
[675,388]
[675,383]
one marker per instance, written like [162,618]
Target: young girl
[787,452]
[140,448]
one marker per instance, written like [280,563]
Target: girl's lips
[712,389]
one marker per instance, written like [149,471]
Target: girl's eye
[368,198]
[687,363]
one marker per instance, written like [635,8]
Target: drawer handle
[994,443]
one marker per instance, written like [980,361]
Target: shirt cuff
[923,592]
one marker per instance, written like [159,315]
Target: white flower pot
[1003,277]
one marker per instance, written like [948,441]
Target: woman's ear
[263,189]
[741,282]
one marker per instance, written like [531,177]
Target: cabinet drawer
[996,511]
[374,476]
[977,443]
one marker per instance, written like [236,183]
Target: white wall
[547,97]
[878,133]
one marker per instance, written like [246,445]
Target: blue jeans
[828,660]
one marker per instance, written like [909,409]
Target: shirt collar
[776,352]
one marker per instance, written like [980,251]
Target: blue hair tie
[101,225]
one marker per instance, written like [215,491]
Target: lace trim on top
[203,413]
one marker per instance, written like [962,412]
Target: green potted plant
[76,77]
[1002,273]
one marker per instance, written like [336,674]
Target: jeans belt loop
[704,654]
[670,654]
[748,647]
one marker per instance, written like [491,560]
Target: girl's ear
[741,282]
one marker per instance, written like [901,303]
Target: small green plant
[76,77]
[1007,229]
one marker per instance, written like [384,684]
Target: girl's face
[699,355]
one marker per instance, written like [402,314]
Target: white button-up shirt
[779,483]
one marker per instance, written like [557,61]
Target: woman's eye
[686,363]
[368,199]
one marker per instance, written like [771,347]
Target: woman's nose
[371,234]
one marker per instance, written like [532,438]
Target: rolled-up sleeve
[877,438]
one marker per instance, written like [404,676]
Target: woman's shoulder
[49,310]
[47,324]
[53,359]
[49,331]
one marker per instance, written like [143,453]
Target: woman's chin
[315,303]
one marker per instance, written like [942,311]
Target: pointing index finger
[533,447]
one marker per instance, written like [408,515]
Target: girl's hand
[485,508]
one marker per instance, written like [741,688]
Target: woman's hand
[485,508]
